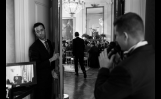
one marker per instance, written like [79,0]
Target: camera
[114,48]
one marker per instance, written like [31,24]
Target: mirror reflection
[95,21]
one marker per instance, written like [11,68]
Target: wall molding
[21,32]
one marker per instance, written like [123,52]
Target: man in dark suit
[42,52]
[134,77]
[78,53]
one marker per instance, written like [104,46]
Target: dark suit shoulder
[140,55]
[141,60]
[35,44]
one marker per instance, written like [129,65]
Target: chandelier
[73,6]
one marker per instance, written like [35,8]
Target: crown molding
[99,2]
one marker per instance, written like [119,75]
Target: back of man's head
[130,23]
[76,34]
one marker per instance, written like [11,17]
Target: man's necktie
[47,46]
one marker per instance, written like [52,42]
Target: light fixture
[73,6]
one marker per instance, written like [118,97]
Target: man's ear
[126,36]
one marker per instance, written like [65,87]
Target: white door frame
[60,62]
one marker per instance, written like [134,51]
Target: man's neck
[43,40]
[136,45]
[133,42]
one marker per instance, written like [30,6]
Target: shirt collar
[139,44]
[43,41]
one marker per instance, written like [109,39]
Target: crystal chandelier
[73,6]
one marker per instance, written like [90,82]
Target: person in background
[134,77]
[70,45]
[63,51]
[87,47]
[67,45]
[78,53]
[42,52]
[93,56]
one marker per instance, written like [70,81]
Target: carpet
[70,68]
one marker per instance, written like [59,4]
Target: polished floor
[79,88]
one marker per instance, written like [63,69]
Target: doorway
[57,28]
[76,86]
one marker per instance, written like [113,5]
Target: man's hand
[54,74]
[104,60]
[117,58]
[55,56]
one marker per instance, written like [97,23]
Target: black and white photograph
[80,49]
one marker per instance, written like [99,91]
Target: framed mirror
[95,21]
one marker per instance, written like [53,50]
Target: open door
[55,36]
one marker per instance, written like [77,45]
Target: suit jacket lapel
[42,46]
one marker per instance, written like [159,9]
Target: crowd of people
[92,47]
